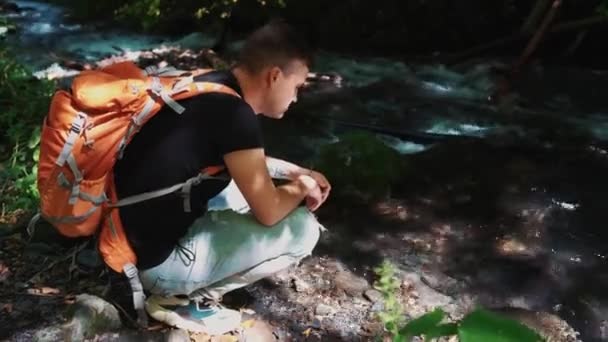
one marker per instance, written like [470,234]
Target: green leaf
[423,324]
[36,155]
[485,326]
[34,139]
[447,329]
[399,338]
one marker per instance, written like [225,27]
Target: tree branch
[535,15]
[538,36]
[558,28]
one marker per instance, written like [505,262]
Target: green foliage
[388,285]
[146,12]
[481,325]
[223,8]
[361,163]
[603,8]
[478,326]
[165,15]
[23,102]
[428,325]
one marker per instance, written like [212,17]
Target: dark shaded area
[416,30]
[486,195]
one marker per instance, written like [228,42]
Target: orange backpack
[85,132]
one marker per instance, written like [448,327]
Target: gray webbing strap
[71,219]
[165,191]
[134,126]
[168,71]
[157,89]
[97,200]
[75,130]
[137,289]
[77,179]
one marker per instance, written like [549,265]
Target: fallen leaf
[248,324]
[307,332]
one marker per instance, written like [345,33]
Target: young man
[253,228]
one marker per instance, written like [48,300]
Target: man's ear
[273,75]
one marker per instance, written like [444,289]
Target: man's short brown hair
[274,44]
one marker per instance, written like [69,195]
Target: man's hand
[323,183]
[280,169]
[318,195]
[314,199]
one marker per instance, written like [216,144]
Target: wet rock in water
[350,283]
[322,83]
[9,7]
[56,71]
[178,58]
[373,296]
[91,315]
[324,310]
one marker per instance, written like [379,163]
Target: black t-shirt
[169,149]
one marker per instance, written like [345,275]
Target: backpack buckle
[79,124]
[156,87]
[130,271]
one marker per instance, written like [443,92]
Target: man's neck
[250,87]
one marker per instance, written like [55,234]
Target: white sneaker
[211,319]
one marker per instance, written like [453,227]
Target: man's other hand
[323,183]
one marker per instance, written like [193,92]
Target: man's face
[282,88]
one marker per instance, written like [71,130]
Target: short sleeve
[235,125]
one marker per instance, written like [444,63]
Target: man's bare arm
[268,203]
[281,169]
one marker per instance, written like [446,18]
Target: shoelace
[199,297]
[186,255]
[207,303]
